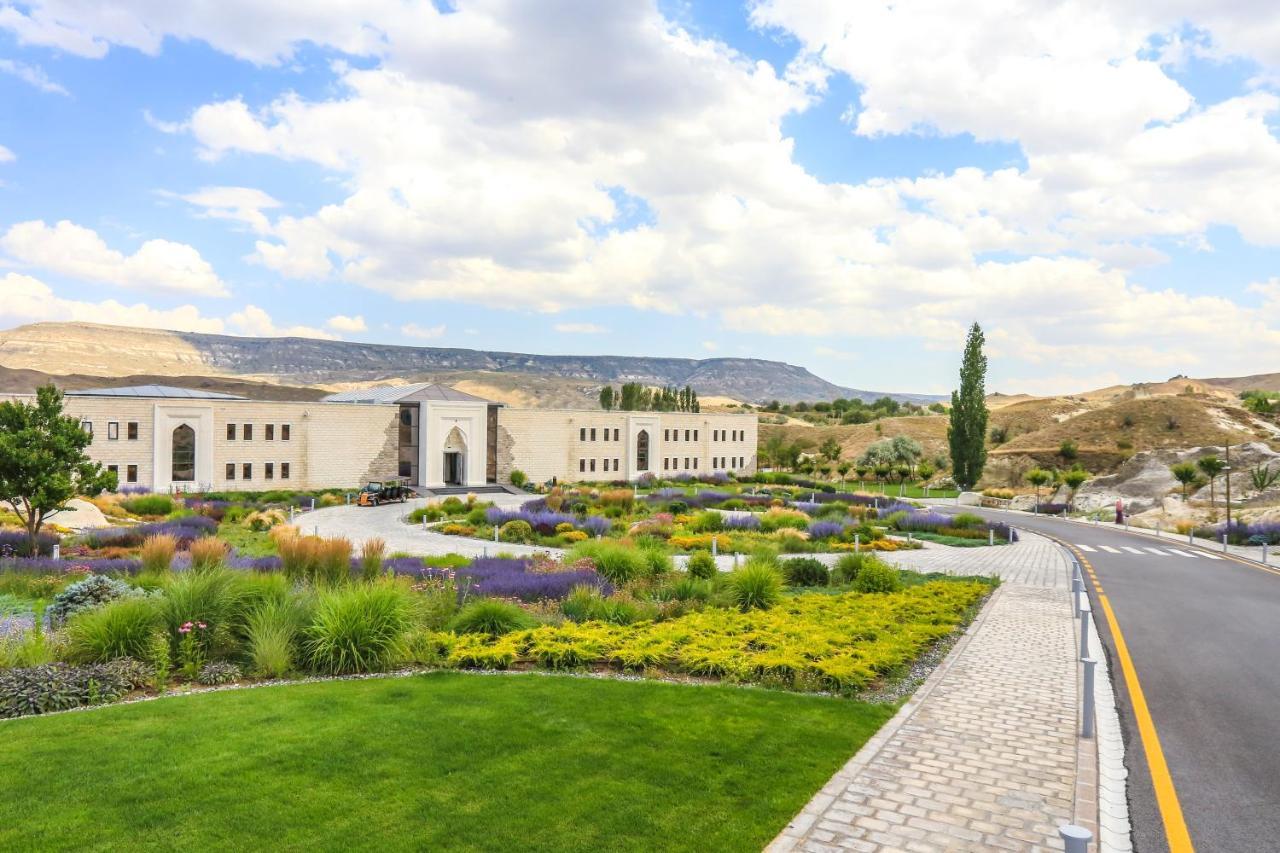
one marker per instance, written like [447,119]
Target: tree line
[635,397]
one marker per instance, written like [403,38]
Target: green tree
[830,449]
[967,430]
[1073,479]
[607,398]
[774,448]
[1038,477]
[1068,450]
[1185,473]
[1212,466]
[843,469]
[42,460]
[926,470]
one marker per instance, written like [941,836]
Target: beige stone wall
[546,443]
[330,445]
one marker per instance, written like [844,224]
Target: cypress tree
[968,427]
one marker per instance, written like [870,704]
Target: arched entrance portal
[455,458]
[184,455]
[642,450]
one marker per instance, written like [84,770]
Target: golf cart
[384,491]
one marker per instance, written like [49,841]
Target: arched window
[642,451]
[184,455]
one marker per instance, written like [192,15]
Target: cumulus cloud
[342,323]
[29,300]
[7,156]
[253,321]
[76,251]
[518,141]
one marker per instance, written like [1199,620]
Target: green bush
[706,521]
[492,617]
[149,505]
[691,589]
[848,566]
[757,585]
[966,520]
[118,629]
[93,591]
[59,687]
[806,571]
[235,514]
[357,628]
[701,565]
[453,505]
[518,478]
[516,531]
[586,604]
[477,517]
[614,560]
[426,513]
[446,561]
[877,576]
[654,553]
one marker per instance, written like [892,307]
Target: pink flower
[201,625]
[185,629]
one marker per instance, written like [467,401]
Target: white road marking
[1181,554]
[1130,549]
[1210,556]
[1158,552]
[1109,549]
[1086,548]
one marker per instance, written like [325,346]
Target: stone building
[176,439]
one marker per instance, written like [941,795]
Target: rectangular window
[133,430]
[695,463]
[615,464]
[695,435]
[616,434]
[131,474]
[268,470]
[666,463]
[582,465]
[248,432]
[231,470]
[582,434]
[284,470]
[593,466]
[284,433]
[269,432]
[114,469]
[246,471]
[231,432]
[113,430]
[666,435]
[686,435]
[593,433]
[87,426]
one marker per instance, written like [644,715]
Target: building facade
[175,439]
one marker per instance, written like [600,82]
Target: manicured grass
[248,543]
[440,761]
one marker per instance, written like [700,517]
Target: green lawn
[440,761]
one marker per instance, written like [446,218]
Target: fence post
[1075,839]
[1085,611]
[715,547]
[1086,722]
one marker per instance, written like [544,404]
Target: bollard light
[57,551]
[1085,611]
[495,534]
[1086,722]
[857,542]
[715,546]
[1224,543]
[1075,839]
[991,537]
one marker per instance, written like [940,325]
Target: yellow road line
[1175,825]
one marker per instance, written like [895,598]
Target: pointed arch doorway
[455,458]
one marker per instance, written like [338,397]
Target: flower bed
[841,642]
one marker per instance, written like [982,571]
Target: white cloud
[710,346]
[7,156]
[343,323]
[580,329]
[426,333]
[73,250]
[162,125]
[253,321]
[31,74]
[239,204]
[29,300]
[509,131]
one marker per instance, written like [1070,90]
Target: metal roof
[154,391]
[416,392]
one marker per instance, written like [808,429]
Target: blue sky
[843,186]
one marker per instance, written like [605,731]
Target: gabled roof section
[418,392]
[157,391]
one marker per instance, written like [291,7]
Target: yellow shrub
[572,535]
[456,529]
[564,527]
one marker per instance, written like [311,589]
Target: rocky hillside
[81,348]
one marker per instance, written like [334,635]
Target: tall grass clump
[757,585]
[492,617]
[701,565]
[617,562]
[208,554]
[215,597]
[371,556]
[149,505]
[334,566]
[273,630]
[299,555]
[124,628]
[357,628]
[157,554]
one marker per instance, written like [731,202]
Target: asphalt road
[1204,638]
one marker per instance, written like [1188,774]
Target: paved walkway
[984,755]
